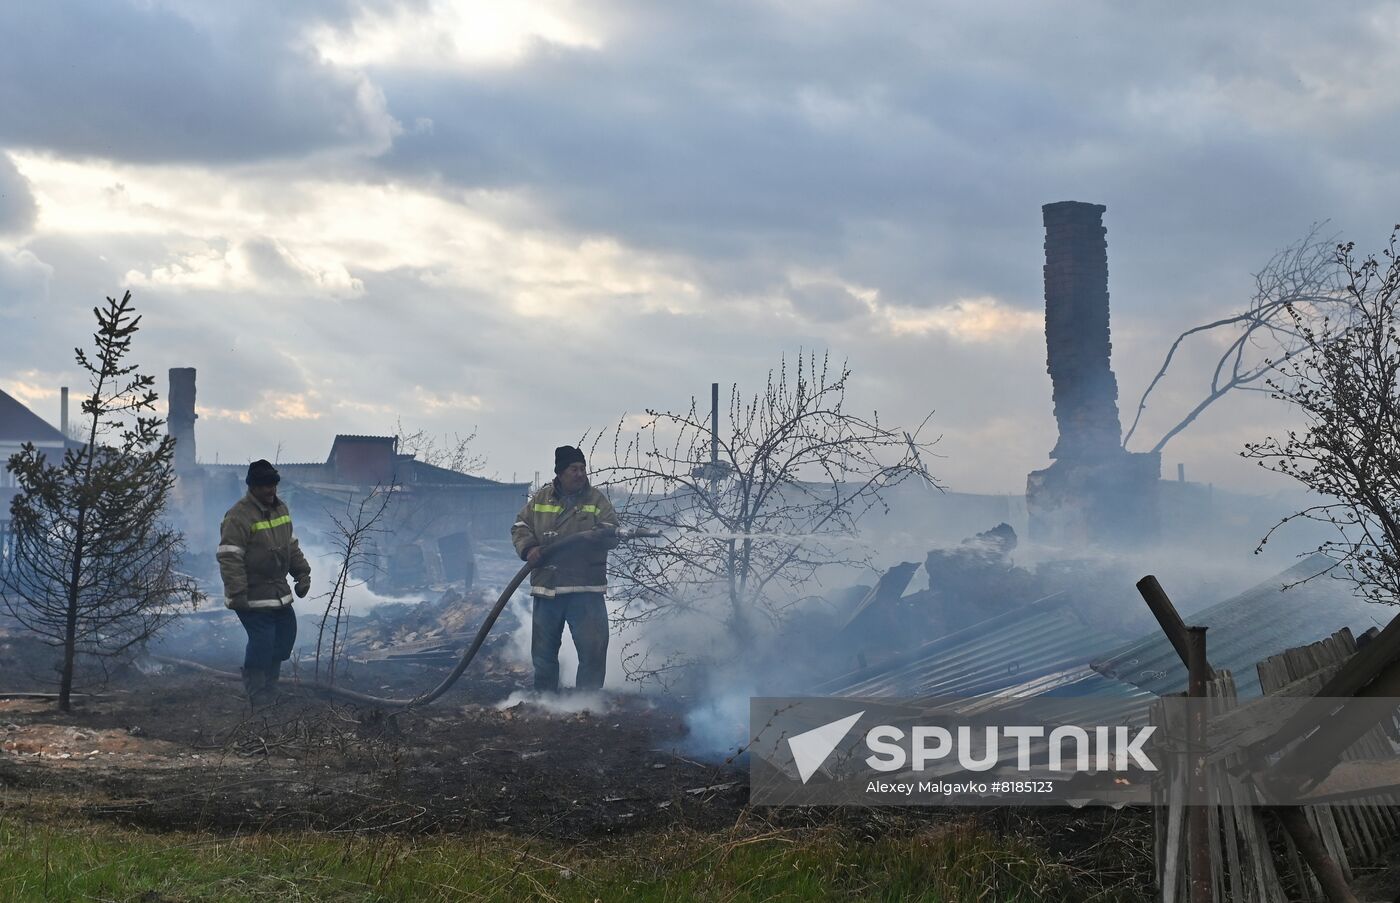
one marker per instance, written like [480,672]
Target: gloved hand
[303,587]
[237,600]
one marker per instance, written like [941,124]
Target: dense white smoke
[359,598]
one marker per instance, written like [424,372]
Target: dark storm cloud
[913,144]
[907,144]
[140,82]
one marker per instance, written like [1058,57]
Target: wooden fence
[1253,848]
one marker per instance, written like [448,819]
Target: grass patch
[46,856]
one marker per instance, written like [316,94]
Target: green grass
[59,857]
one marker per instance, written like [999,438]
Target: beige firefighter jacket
[550,516]
[257,551]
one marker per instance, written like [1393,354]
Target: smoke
[1205,555]
[688,655]
[695,656]
[517,649]
[573,703]
[360,600]
[692,656]
[718,726]
[794,539]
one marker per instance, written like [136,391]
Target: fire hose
[547,551]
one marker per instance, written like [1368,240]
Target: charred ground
[178,751]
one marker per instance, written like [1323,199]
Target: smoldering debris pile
[398,623]
[429,633]
[968,584]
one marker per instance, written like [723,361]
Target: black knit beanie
[565,455]
[262,473]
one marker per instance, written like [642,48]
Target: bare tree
[1346,384]
[93,567]
[1298,288]
[754,510]
[452,452]
[353,538]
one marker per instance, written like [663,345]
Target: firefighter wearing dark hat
[568,588]
[257,550]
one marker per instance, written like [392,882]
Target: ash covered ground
[170,747]
[178,750]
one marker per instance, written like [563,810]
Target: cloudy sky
[533,218]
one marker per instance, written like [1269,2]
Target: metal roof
[19,424]
[1014,649]
[357,437]
[1051,649]
[1248,628]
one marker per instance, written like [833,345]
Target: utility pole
[714,470]
[714,435]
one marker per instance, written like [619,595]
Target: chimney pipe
[63,411]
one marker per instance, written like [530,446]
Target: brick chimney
[1076,330]
[1095,491]
[179,422]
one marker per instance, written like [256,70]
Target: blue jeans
[587,618]
[271,634]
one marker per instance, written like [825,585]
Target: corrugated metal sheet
[1036,653]
[1260,622]
[1086,697]
[1045,650]
[1041,639]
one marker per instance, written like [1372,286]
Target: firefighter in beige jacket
[568,587]
[257,550]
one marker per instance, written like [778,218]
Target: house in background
[431,527]
[427,538]
[19,425]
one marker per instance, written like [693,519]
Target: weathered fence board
[1245,862]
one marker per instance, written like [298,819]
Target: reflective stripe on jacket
[550,516]
[257,550]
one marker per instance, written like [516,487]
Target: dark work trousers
[587,618]
[271,634]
